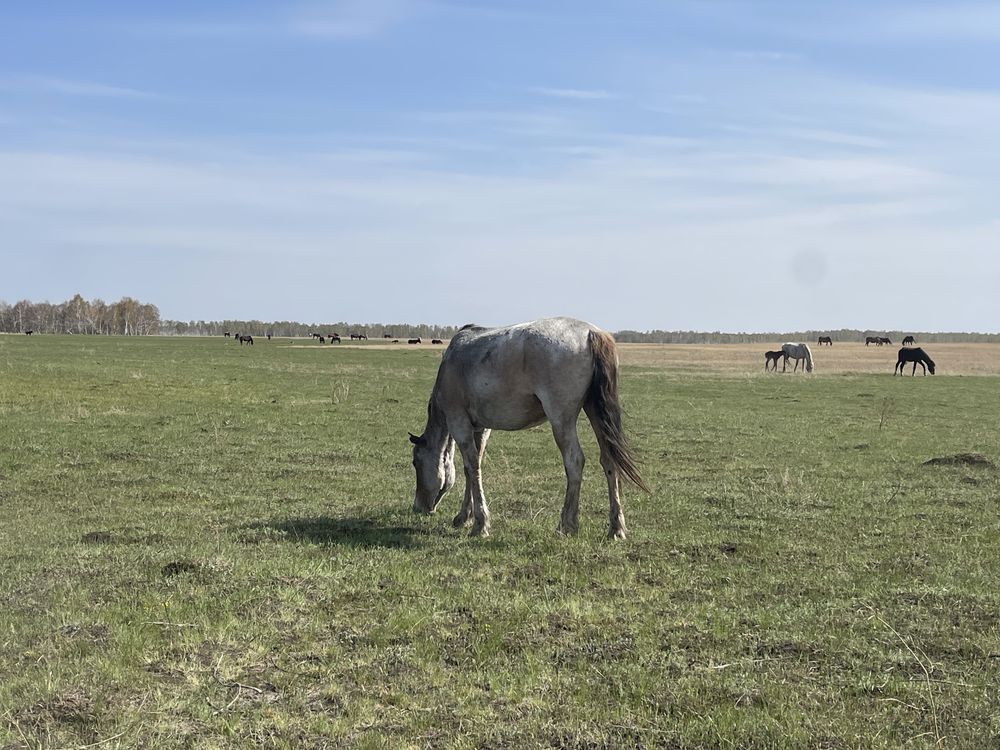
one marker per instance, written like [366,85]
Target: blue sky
[765,165]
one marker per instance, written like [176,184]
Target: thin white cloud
[815,135]
[580,94]
[50,84]
[766,55]
[945,21]
[352,19]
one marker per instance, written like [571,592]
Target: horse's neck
[436,430]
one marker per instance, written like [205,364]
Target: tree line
[130,317]
[126,317]
[291,328]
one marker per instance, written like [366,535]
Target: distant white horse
[797,352]
[516,377]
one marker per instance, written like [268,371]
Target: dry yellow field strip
[950,359]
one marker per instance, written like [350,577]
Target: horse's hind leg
[616,529]
[564,431]
[464,517]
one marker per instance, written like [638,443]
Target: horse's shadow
[323,530]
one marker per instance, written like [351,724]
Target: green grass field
[203,546]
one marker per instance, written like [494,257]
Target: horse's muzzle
[427,508]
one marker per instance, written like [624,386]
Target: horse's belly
[508,413]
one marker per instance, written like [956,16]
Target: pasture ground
[203,545]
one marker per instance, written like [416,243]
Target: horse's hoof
[460,521]
[481,532]
[616,534]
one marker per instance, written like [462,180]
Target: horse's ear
[415,439]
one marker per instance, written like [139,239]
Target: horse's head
[930,365]
[435,467]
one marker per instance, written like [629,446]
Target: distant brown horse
[917,356]
[772,358]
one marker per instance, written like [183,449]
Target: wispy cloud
[580,94]
[53,85]
[352,19]
[948,21]
[765,55]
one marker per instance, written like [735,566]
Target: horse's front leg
[464,517]
[466,438]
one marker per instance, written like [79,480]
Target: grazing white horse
[516,377]
[797,352]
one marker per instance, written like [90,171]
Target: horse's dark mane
[472,327]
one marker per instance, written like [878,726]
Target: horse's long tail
[809,358]
[602,397]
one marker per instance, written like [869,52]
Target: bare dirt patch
[960,459]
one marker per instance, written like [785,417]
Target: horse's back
[505,376]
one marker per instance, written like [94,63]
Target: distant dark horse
[772,358]
[29,332]
[334,338]
[871,340]
[916,355]
[909,341]
[248,340]
[268,337]
[883,340]
[387,335]
[825,340]
[322,339]
[414,341]
[226,334]
[436,341]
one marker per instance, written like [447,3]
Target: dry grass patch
[839,359]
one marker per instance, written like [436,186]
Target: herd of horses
[881,340]
[909,353]
[795,351]
[333,338]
